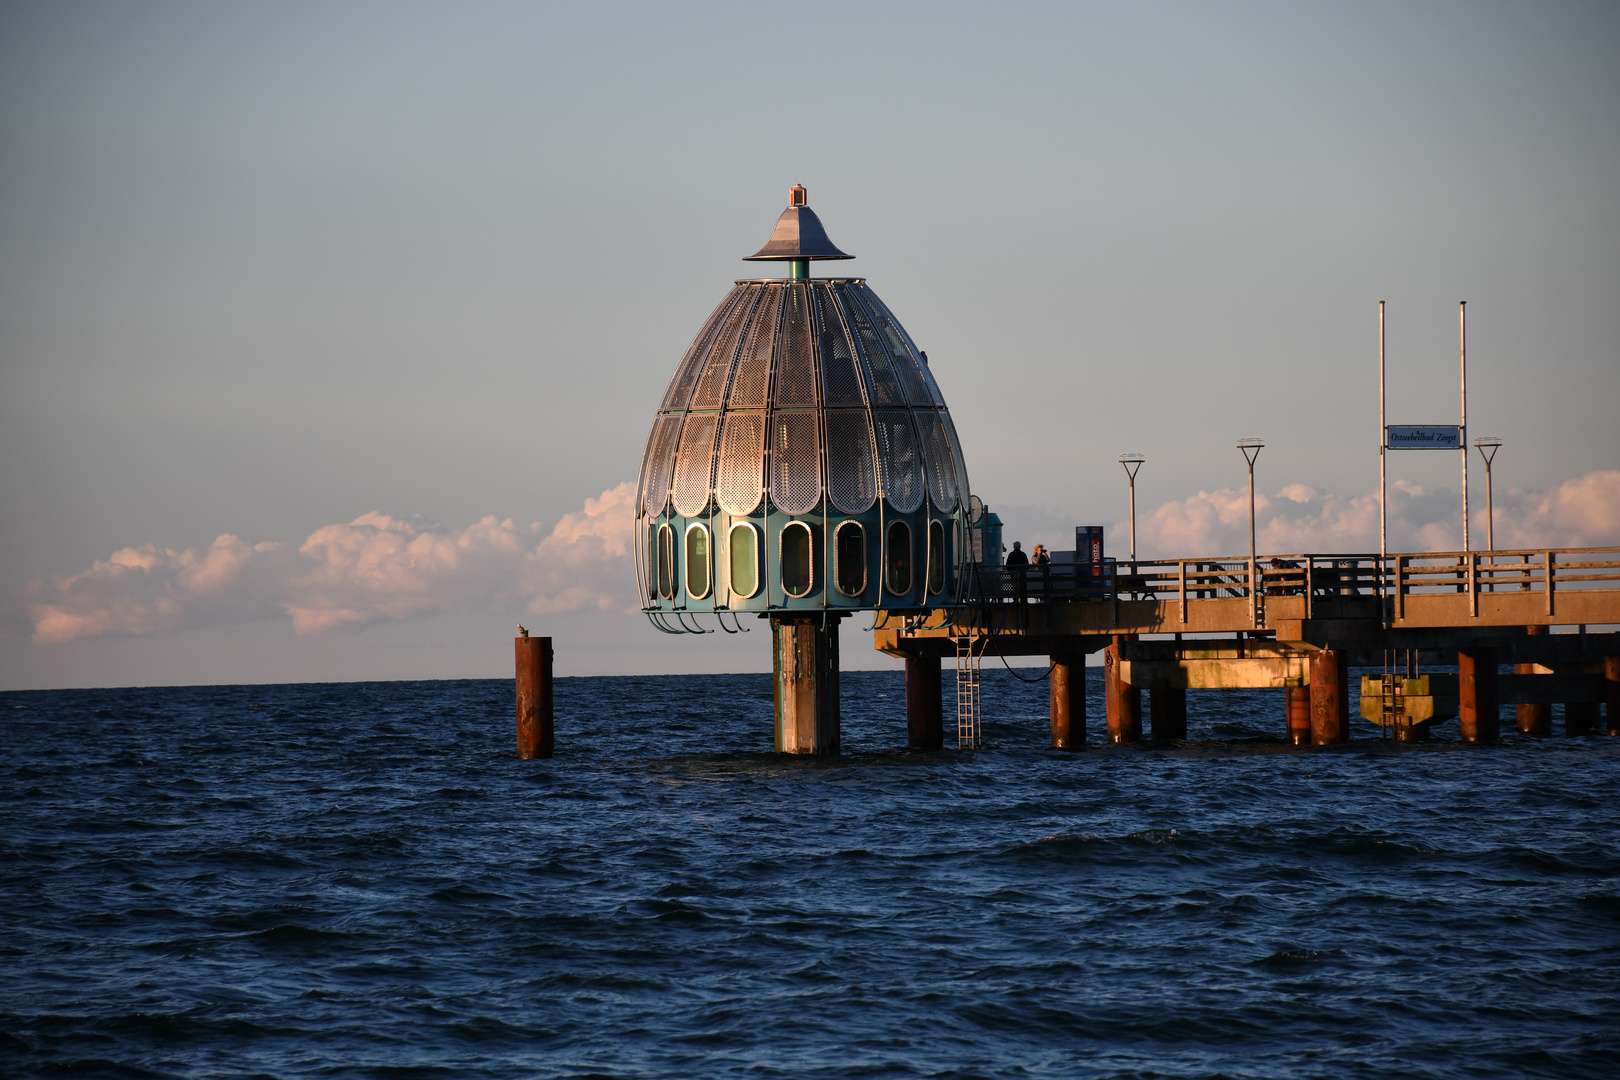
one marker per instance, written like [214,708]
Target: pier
[1293,622]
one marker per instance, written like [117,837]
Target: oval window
[744,551]
[666,562]
[697,561]
[850,557]
[652,561]
[796,559]
[936,556]
[897,559]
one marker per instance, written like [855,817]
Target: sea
[362,880]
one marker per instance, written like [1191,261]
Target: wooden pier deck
[1297,622]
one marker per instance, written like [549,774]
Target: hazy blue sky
[268,268]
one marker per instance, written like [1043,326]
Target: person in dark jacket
[1016,556]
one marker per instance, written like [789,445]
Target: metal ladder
[968,728]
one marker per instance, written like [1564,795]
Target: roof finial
[798,238]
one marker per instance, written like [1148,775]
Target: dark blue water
[362,880]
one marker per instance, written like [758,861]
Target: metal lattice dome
[803,456]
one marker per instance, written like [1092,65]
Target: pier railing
[1481,582]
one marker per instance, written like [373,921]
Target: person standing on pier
[1016,556]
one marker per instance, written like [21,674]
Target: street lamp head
[1251,448]
[1487,446]
[1132,462]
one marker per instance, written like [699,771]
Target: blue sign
[1423,437]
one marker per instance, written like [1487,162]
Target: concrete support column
[1299,715]
[1167,714]
[1611,704]
[806,665]
[1580,718]
[1330,698]
[1534,718]
[1123,701]
[1068,701]
[534,705]
[1479,712]
[925,725]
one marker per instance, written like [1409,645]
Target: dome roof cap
[799,234]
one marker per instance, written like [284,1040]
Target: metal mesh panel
[901,470]
[902,345]
[937,456]
[963,490]
[661,458]
[711,386]
[695,464]
[686,374]
[841,384]
[795,461]
[851,481]
[750,387]
[742,463]
[796,370]
[885,385]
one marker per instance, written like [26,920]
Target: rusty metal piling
[534,700]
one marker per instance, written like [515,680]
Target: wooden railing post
[1473,584]
[1549,576]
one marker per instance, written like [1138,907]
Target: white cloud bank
[373,569]
[1584,512]
[378,568]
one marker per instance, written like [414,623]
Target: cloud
[373,569]
[1584,512]
[378,568]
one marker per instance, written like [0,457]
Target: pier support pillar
[1330,698]
[806,668]
[1167,714]
[1611,703]
[1580,718]
[1068,701]
[1535,718]
[1479,710]
[925,724]
[1299,715]
[534,706]
[1123,701]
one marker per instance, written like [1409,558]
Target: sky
[330,334]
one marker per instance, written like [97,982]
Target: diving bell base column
[806,676]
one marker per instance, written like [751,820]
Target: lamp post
[1132,463]
[1251,450]
[1488,445]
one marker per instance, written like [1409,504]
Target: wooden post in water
[1299,715]
[1535,718]
[1123,701]
[1479,712]
[925,725]
[1167,714]
[1330,699]
[534,705]
[1067,701]
[806,668]
[1611,704]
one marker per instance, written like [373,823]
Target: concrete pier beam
[1167,714]
[1535,718]
[925,722]
[1298,716]
[534,704]
[806,676]
[1068,701]
[1123,701]
[1330,698]
[1479,710]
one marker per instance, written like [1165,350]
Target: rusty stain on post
[1478,696]
[925,725]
